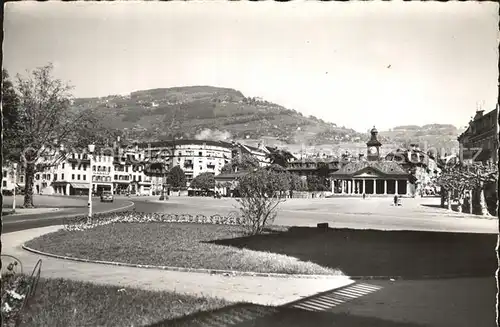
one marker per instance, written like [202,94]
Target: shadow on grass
[247,315]
[358,253]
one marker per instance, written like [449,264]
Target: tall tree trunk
[448,197]
[470,202]
[443,200]
[29,181]
[460,201]
[482,202]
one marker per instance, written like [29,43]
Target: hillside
[442,137]
[206,112]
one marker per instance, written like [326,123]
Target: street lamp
[14,166]
[91,151]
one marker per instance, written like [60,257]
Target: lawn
[61,302]
[407,254]
[172,244]
[301,250]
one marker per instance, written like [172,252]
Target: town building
[422,167]
[12,178]
[479,142]
[371,175]
[310,166]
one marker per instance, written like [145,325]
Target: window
[62,177]
[134,178]
[63,165]
[4,183]
[200,154]
[5,173]
[73,166]
[84,177]
[140,178]
[116,177]
[55,177]
[78,177]
[109,169]
[21,179]
[79,167]
[73,176]
[84,167]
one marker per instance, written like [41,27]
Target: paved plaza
[422,214]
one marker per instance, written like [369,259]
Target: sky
[357,64]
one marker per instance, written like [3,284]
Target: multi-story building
[125,169]
[479,142]
[197,156]
[311,166]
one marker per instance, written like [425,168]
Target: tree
[176,177]
[279,157]
[261,193]
[459,178]
[10,118]
[204,181]
[42,122]
[323,172]
[296,183]
[481,175]
[314,184]
[243,162]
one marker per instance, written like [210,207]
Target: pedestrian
[396,200]
[364,195]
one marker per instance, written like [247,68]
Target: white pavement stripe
[351,292]
[366,286]
[318,304]
[321,304]
[309,306]
[333,300]
[303,308]
[348,295]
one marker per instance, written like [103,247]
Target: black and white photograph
[250,163]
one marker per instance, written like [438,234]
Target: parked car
[107,196]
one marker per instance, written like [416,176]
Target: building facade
[123,169]
[479,142]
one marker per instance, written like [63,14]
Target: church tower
[373,146]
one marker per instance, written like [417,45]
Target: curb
[182,269]
[233,273]
[131,204]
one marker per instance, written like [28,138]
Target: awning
[80,185]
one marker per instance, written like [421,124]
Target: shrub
[261,192]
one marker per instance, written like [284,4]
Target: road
[13,223]
[420,214]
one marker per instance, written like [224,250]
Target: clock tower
[373,146]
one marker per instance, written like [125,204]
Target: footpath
[258,290]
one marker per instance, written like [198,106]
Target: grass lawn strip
[62,302]
[172,244]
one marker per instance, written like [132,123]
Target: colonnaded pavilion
[371,176]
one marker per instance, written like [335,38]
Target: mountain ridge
[202,111]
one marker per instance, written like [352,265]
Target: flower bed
[82,223]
